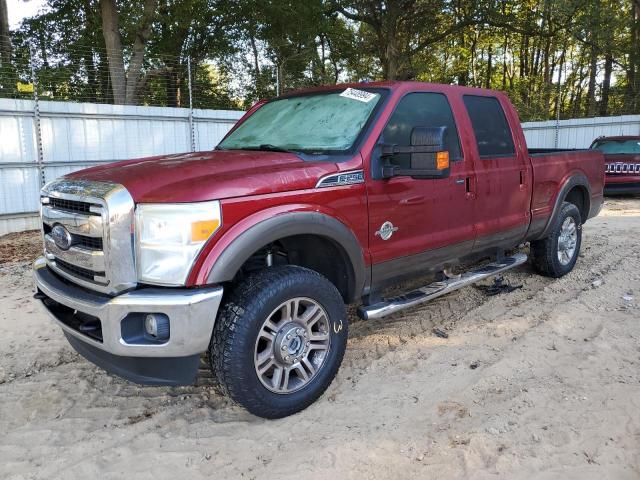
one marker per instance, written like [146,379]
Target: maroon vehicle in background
[622,163]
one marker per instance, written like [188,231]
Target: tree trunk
[462,69]
[280,75]
[577,104]
[523,56]
[256,58]
[558,106]
[606,84]
[5,40]
[391,57]
[134,74]
[171,85]
[323,59]
[487,83]
[591,90]
[104,79]
[392,50]
[92,76]
[126,83]
[113,43]
[504,62]
[472,53]
[89,54]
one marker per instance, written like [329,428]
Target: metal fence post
[192,132]
[36,116]
[558,108]
[556,138]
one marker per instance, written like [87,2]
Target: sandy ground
[543,382]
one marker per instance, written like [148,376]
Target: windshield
[322,123]
[618,146]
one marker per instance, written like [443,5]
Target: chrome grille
[78,271]
[621,167]
[98,219]
[92,243]
[74,206]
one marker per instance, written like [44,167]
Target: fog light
[157,326]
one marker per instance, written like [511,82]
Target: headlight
[170,236]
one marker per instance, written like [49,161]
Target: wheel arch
[575,190]
[309,232]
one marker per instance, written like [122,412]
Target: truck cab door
[503,191]
[418,224]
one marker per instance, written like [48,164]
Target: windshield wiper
[267,147]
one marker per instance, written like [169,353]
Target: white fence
[578,132]
[77,135]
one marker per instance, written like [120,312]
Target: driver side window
[421,110]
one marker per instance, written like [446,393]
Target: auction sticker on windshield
[359,95]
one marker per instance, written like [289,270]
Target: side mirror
[429,159]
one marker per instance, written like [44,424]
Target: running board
[437,289]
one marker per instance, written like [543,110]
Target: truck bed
[552,167]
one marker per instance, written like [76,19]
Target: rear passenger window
[490,126]
[421,110]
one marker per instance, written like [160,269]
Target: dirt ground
[543,382]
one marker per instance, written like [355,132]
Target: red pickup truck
[313,200]
[622,163]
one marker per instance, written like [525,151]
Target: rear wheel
[279,340]
[556,255]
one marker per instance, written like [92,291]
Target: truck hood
[212,175]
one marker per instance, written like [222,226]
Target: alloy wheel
[292,345]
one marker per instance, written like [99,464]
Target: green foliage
[567,57]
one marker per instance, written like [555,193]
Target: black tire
[233,344]
[545,250]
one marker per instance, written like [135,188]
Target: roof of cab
[395,85]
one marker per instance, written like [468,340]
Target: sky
[19,9]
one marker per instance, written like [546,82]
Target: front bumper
[622,188]
[112,341]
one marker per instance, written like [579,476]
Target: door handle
[470,187]
[413,200]
[468,182]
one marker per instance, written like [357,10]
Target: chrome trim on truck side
[341,179]
[191,312]
[437,289]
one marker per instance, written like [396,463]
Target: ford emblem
[61,237]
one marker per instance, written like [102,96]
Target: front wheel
[556,255]
[279,340]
